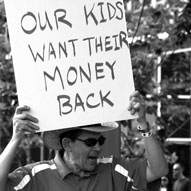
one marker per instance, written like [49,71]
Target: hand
[137,105]
[23,122]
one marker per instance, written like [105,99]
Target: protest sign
[71,60]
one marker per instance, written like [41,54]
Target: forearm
[6,159]
[157,164]
[23,123]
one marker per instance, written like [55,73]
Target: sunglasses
[90,142]
[176,169]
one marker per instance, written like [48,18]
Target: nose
[97,147]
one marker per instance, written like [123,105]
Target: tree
[9,99]
[156,32]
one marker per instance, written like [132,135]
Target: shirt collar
[62,167]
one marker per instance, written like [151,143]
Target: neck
[72,166]
[181,177]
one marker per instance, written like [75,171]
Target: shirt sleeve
[188,185]
[137,170]
[30,177]
[130,175]
[19,179]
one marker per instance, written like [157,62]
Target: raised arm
[22,123]
[157,164]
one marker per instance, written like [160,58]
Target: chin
[91,167]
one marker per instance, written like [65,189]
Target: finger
[133,101]
[133,111]
[134,94]
[19,123]
[137,106]
[22,124]
[110,124]
[20,109]
[26,116]
[26,128]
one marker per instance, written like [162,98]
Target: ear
[66,143]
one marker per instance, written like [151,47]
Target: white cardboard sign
[71,60]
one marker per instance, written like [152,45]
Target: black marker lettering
[99,70]
[110,7]
[89,43]
[90,14]
[73,46]
[105,99]
[51,51]
[83,73]
[123,39]
[101,10]
[38,55]
[70,82]
[62,48]
[52,78]
[47,21]
[108,45]
[98,44]
[61,18]
[116,45]
[31,16]
[111,68]
[88,103]
[119,5]
[64,105]
[79,102]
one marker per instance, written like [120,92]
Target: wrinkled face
[81,156]
[177,170]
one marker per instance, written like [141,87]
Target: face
[177,170]
[82,157]
[164,181]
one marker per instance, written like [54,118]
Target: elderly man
[76,165]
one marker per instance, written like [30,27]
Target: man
[76,165]
[181,183]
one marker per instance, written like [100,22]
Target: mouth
[92,159]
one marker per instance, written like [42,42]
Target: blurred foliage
[153,30]
[9,99]
[7,82]
[156,31]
